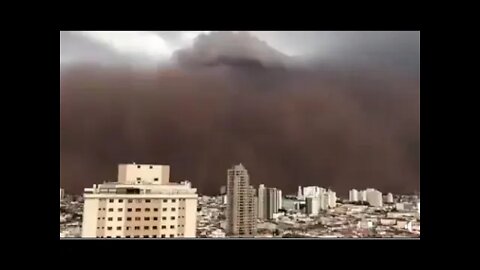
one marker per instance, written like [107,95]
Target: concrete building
[299,193]
[62,193]
[142,204]
[353,195]
[241,212]
[332,199]
[279,199]
[389,198]
[262,202]
[312,206]
[312,191]
[374,197]
[362,195]
[269,202]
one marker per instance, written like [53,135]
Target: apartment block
[141,204]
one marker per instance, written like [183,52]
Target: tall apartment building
[143,203]
[62,193]
[262,206]
[312,205]
[374,197]
[269,202]
[353,195]
[241,207]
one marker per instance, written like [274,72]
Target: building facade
[374,197]
[353,195]
[141,204]
[312,205]
[241,208]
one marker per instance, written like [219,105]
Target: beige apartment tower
[142,204]
[241,203]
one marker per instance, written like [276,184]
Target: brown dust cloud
[336,126]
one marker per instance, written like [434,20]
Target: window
[129,219]
[165,200]
[109,228]
[137,228]
[119,219]
[130,201]
[129,210]
[147,209]
[146,227]
[155,209]
[138,200]
[139,178]
[145,236]
[138,166]
[138,209]
[164,227]
[111,200]
[128,228]
[109,237]
[98,218]
[164,209]
[172,218]
[171,235]
[155,218]
[128,236]
[151,167]
[99,209]
[98,228]
[173,208]
[110,209]
[147,218]
[120,200]
[155,179]
[154,227]
[154,236]
[163,236]
[119,228]
[164,218]
[173,200]
[110,219]
[136,236]
[147,200]
[120,209]
[137,218]
[172,226]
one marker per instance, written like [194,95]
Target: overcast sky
[157,47]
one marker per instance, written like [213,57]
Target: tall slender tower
[241,219]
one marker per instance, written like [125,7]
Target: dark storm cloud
[230,49]
[289,127]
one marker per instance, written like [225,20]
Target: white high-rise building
[332,199]
[362,196]
[269,202]
[299,193]
[374,197]
[141,204]
[241,207]
[389,198]
[312,205]
[262,202]
[312,191]
[353,195]
[279,199]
